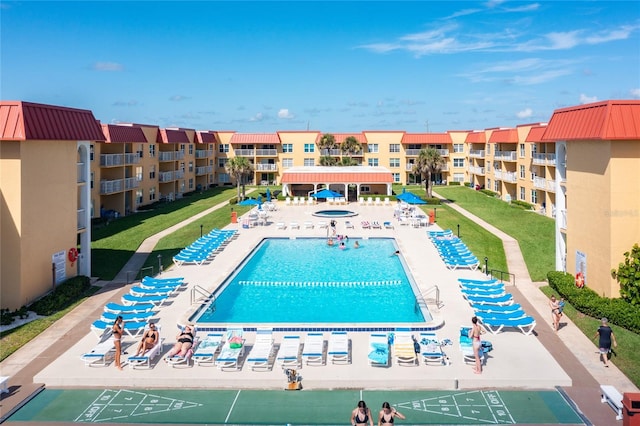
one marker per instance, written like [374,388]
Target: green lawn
[535,233]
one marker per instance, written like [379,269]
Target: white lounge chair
[323,225]
[308,224]
[207,349]
[289,353]
[281,225]
[294,225]
[362,201]
[262,352]
[403,349]
[313,350]
[144,360]
[378,350]
[232,350]
[100,354]
[431,349]
[348,224]
[338,350]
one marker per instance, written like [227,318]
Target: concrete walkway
[580,362]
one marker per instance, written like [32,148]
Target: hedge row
[62,297]
[587,301]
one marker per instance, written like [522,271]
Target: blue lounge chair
[207,349]
[484,293]
[117,308]
[132,300]
[493,316]
[525,324]
[132,328]
[157,291]
[481,282]
[431,349]
[500,309]
[378,350]
[158,285]
[162,281]
[506,299]
[110,317]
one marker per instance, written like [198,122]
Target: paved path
[580,363]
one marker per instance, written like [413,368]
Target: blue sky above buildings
[328,66]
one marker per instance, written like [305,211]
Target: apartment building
[594,156]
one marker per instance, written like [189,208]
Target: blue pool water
[306,281]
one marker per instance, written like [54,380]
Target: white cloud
[257,117]
[284,113]
[584,99]
[635,93]
[107,66]
[525,8]
[178,98]
[526,71]
[125,103]
[525,113]
[621,33]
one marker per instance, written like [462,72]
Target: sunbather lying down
[148,341]
[184,342]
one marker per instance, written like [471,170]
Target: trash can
[432,217]
[234,217]
[631,409]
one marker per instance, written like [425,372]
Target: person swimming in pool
[356,245]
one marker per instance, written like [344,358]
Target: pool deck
[538,361]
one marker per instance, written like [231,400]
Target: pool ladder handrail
[428,291]
[205,295]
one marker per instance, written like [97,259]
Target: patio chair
[308,224]
[144,360]
[348,224]
[178,360]
[289,353]
[313,350]
[158,291]
[466,347]
[100,354]
[134,329]
[281,225]
[524,324]
[376,225]
[129,316]
[162,281]
[388,225]
[117,308]
[323,225]
[431,349]
[378,350]
[369,201]
[498,309]
[378,201]
[129,299]
[404,350]
[207,349]
[294,225]
[387,202]
[262,352]
[338,350]
[232,350]
[365,224]
[506,299]
[362,201]
[287,201]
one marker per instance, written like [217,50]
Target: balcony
[82,223]
[111,160]
[505,155]
[544,184]
[331,152]
[245,152]
[412,152]
[266,167]
[266,152]
[165,177]
[476,170]
[409,167]
[476,153]
[130,183]
[80,169]
[179,155]
[509,177]
[111,186]
[204,170]
[544,159]
[443,152]
[203,153]
[178,174]
[131,158]
[166,156]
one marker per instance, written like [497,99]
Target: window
[224,147]
[287,147]
[92,176]
[458,162]
[372,162]
[182,147]
[91,150]
[211,147]
[139,176]
[182,166]
[190,165]
[496,186]
[224,178]
[222,162]
[488,149]
[521,150]
[488,166]
[394,162]
[394,147]
[287,162]
[308,162]
[141,151]
[365,189]
[458,177]
[152,172]
[190,149]
[458,147]
[373,147]
[534,196]
[152,193]
[534,148]
[523,173]
[152,150]
[488,183]
[522,193]
[139,197]
[396,177]
[309,147]
[190,183]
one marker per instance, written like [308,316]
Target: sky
[333,67]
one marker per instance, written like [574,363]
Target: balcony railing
[245,152]
[562,219]
[476,170]
[130,183]
[204,170]
[179,155]
[544,158]
[166,156]
[267,152]
[111,160]
[443,152]
[409,167]
[82,222]
[165,177]
[476,153]
[203,153]
[111,186]
[266,167]
[506,155]
[178,174]
[331,152]
[413,152]
[131,158]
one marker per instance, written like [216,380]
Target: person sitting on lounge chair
[184,342]
[148,341]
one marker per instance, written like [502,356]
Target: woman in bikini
[183,344]
[555,312]
[361,416]
[116,331]
[475,333]
[149,340]
[388,414]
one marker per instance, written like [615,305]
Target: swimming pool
[305,281]
[335,213]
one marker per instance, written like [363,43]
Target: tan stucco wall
[41,202]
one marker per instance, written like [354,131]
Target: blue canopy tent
[410,198]
[326,193]
[250,202]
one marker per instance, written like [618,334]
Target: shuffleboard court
[309,407]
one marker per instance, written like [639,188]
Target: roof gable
[535,134]
[426,138]
[504,136]
[476,137]
[123,134]
[173,136]
[255,138]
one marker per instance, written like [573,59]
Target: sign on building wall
[60,261]
[581,268]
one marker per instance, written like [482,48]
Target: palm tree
[327,160]
[238,167]
[350,146]
[429,162]
[328,142]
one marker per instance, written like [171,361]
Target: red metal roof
[340,137]
[205,137]
[535,134]
[426,138]
[337,177]
[504,136]
[476,137]
[20,121]
[123,134]
[254,138]
[173,136]
[608,120]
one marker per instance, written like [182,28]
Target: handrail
[501,276]
[429,290]
[206,295]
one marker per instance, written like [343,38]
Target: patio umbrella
[268,196]
[410,198]
[326,193]
[249,202]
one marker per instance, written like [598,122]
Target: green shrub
[522,204]
[233,201]
[63,296]
[628,276]
[436,201]
[587,301]
[489,192]
[454,183]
